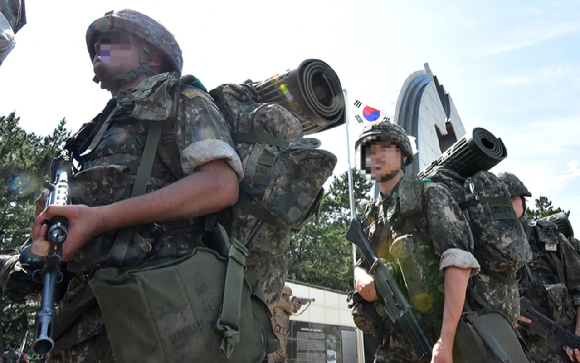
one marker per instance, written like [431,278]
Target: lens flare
[23,183]
[286,93]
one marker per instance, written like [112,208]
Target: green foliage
[543,209]
[25,160]
[320,254]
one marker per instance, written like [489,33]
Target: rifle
[51,274]
[543,326]
[395,303]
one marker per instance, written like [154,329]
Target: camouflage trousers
[391,352]
[279,356]
[96,349]
[543,350]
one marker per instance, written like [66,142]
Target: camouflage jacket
[107,173]
[116,139]
[421,228]
[552,279]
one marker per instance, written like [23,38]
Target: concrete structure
[324,331]
[427,112]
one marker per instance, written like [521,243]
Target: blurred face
[518,204]
[382,159]
[117,52]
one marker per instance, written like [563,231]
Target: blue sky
[512,67]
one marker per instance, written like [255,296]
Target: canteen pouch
[169,311]
[486,338]
[561,305]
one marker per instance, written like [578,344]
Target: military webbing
[257,157]
[496,202]
[485,334]
[121,244]
[258,138]
[558,265]
[497,276]
[123,239]
[246,204]
[102,130]
[229,320]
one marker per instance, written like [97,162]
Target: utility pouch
[185,310]
[485,338]
[561,305]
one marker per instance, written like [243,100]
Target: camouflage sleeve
[449,230]
[7,41]
[202,134]
[16,277]
[571,262]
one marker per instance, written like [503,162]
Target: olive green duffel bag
[486,338]
[196,308]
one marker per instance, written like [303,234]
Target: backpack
[501,246]
[282,185]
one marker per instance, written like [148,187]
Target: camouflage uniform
[551,296]
[10,356]
[442,238]
[109,150]
[201,136]
[541,282]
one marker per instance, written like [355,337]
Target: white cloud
[537,34]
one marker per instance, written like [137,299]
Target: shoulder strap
[229,320]
[123,238]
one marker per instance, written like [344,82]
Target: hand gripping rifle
[395,303]
[543,326]
[51,274]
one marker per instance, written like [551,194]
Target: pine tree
[543,209]
[25,160]
[320,254]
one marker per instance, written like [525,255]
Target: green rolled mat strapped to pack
[195,308]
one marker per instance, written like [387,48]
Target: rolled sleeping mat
[563,223]
[470,154]
[312,93]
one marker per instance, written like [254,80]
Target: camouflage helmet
[515,186]
[143,27]
[286,290]
[387,131]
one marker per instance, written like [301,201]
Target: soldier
[440,231]
[551,281]
[281,321]
[10,356]
[139,62]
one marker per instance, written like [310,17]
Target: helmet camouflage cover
[143,27]
[515,186]
[386,131]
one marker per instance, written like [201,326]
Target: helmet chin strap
[118,80]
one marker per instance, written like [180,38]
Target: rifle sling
[121,244]
[484,333]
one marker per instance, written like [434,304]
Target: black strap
[246,204]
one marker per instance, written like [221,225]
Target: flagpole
[359,336]
[350,191]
